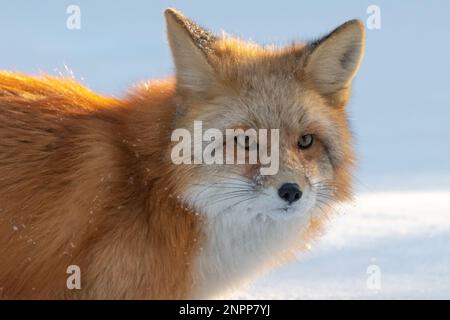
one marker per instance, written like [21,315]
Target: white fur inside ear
[336,59]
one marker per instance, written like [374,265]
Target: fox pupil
[247,142]
[305,141]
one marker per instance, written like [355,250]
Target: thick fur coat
[88,180]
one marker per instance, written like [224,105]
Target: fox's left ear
[191,47]
[333,61]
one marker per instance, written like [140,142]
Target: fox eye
[249,143]
[305,141]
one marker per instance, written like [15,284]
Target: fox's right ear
[191,48]
[333,61]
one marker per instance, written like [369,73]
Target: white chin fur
[245,233]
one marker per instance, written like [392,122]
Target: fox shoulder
[46,92]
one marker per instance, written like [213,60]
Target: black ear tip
[355,24]
[355,27]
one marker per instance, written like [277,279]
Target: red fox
[88,180]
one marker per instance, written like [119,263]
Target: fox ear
[191,48]
[333,61]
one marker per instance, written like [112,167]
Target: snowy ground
[404,235]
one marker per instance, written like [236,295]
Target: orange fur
[80,181]
[87,180]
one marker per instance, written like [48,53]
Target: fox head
[302,90]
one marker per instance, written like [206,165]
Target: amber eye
[305,141]
[248,143]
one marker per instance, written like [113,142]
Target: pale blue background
[401,103]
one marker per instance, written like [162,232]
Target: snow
[403,233]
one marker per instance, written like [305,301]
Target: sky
[400,108]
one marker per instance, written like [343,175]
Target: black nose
[290,192]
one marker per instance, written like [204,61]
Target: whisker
[234,178]
[222,186]
[226,199]
[238,202]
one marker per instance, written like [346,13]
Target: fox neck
[235,252]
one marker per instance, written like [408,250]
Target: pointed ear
[191,48]
[333,61]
